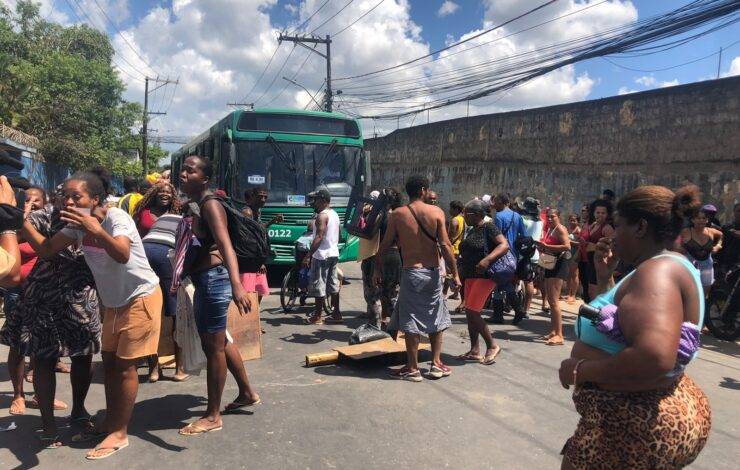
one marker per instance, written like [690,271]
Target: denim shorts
[212,299]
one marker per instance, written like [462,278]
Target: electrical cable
[331,17]
[358,19]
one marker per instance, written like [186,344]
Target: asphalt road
[513,414]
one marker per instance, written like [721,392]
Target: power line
[285,87]
[643,36]
[672,66]
[475,36]
[124,37]
[254,85]
[285,62]
[331,17]
[113,58]
[358,19]
[309,18]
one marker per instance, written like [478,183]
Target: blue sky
[218,49]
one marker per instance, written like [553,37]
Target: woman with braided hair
[157,216]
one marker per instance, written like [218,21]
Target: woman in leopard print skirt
[638,408]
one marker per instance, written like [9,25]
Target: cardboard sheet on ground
[358,352]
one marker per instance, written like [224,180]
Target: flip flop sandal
[62,368]
[50,442]
[469,357]
[550,342]
[175,379]
[89,435]
[236,405]
[197,430]
[310,321]
[58,404]
[492,358]
[112,450]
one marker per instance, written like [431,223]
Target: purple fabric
[687,346]
[609,324]
[689,343]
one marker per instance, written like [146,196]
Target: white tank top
[329,247]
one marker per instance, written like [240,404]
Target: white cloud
[218,55]
[625,91]
[647,81]
[292,8]
[734,68]
[447,8]
[668,83]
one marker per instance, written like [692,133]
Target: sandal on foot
[62,368]
[193,430]
[235,405]
[556,342]
[468,356]
[59,405]
[85,422]
[112,450]
[488,360]
[314,321]
[181,379]
[18,407]
[50,442]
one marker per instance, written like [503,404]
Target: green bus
[291,153]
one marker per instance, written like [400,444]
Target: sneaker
[497,319]
[405,374]
[439,371]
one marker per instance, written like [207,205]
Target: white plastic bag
[186,332]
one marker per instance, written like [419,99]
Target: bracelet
[9,232]
[575,371]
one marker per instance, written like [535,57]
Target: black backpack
[248,237]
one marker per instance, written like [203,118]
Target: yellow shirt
[129,202]
[456,237]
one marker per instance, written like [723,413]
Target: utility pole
[144,138]
[719,62]
[301,40]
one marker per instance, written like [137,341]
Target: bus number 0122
[278,233]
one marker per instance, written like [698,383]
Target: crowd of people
[84,274]
[628,362]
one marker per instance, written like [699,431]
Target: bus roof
[233,117]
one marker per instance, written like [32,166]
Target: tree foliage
[57,83]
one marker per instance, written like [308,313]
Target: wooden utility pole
[300,40]
[145,124]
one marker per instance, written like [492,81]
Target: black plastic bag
[366,333]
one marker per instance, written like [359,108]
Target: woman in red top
[555,242]
[600,227]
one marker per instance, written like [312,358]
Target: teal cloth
[587,332]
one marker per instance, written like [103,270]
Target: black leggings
[583,268]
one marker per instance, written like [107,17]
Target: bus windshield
[290,170]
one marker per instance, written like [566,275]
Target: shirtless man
[421,308]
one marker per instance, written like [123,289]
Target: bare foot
[154,375]
[548,336]
[18,406]
[62,368]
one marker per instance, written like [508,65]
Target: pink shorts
[255,282]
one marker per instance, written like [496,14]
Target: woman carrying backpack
[215,274]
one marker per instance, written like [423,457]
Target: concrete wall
[566,155]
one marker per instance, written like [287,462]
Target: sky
[219,50]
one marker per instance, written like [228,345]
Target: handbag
[547,261]
[502,269]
